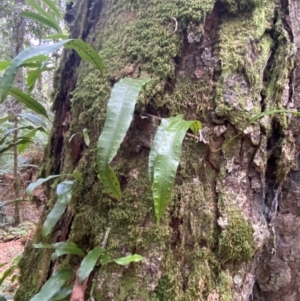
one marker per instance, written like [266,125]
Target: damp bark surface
[230,230]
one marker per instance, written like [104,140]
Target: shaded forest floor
[13,239]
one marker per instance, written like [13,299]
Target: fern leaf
[119,115]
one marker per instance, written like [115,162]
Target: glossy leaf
[88,263]
[28,101]
[86,137]
[62,294]
[128,259]
[86,52]
[110,181]
[61,248]
[39,182]
[120,109]
[64,195]
[166,163]
[49,22]
[53,285]
[157,141]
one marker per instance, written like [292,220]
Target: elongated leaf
[49,22]
[39,182]
[166,164]
[28,63]
[105,259]
[33,118]
[61,248]
[119,115]
[128,259]
[28,101]
[40,10]
[86,52]
[64,195]
[7,273]
[157,141]
[88,263]
[52,6]
[53,285]
[62,294]
[32,77]
[23,147]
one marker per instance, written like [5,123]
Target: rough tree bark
[231,229]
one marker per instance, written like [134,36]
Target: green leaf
[86,52]
[33,118]
[53,285]
[119,115]
[61,248]
[195,127]
[49,22]
[23,147]
[157,141]
[40,10]
[32,77]
[64,195]
[88,263]
[3,65]
[28,101]
[52,6]
[2,298]
[62,294]
[166,163]
[39,182]
[86,137]
[105,259]
[128,259]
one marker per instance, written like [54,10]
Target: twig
[104,242]
[176,24]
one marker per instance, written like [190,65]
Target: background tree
[230,232]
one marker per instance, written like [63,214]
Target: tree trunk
[230,231]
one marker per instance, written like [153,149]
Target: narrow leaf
[32,77]
[28,101]
[39,182]
[128,259]
[157,141]
[119,115]
[49,22]
[61,248]
[62,294]
[52,6]
[3,65]
[53,285]
[64,195]
[86,52]
[86,137]
[88,263]
[23,147]
[166,163]
[40,10]
[33,118]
